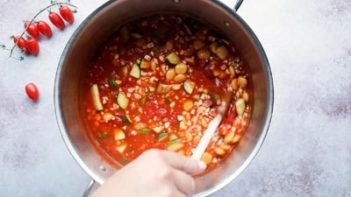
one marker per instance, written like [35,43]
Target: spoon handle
[212,128]
[206,138]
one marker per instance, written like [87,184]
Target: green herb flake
[112,83]
[103,135]
[136,35]
[168,101]
[124,160]
[161,136]
[126,120]
[145,131]
[131,151]
[143,100]
[216,98]
[179,121]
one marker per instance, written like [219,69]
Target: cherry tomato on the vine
[19,41]
[56,20]
[44,29]
[67,14]
[32,91]
[32,29]
[32,46]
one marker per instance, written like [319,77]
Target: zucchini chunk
[96,97]
[189,86]
[122,100]
[135,72]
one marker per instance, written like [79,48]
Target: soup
[157,83]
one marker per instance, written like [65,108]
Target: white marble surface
[306,153]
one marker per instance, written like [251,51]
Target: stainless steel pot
[105,20]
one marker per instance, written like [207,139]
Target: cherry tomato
[19,41]
[56,20]
[32,29]
[44,29]
[32,46]
[32,91]
[67,14]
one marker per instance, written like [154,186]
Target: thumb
[183,163]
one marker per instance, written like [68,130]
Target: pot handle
[237,5]
[88,189]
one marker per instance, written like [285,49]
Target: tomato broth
[157,83]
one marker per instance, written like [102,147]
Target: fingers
[184,182]
[183,163]
[176,193]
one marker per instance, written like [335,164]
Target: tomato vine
[53,3]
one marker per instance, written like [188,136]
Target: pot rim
[223,183]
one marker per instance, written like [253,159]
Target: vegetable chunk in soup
[157,83]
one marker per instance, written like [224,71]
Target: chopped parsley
[103,135]
[126,120]
[112,83]
[145,131]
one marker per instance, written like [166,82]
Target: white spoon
[211,129]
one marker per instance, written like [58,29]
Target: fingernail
[202,165]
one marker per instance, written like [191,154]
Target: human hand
[155,173]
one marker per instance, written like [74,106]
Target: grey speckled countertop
[308,148]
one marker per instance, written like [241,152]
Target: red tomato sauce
[157,83]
